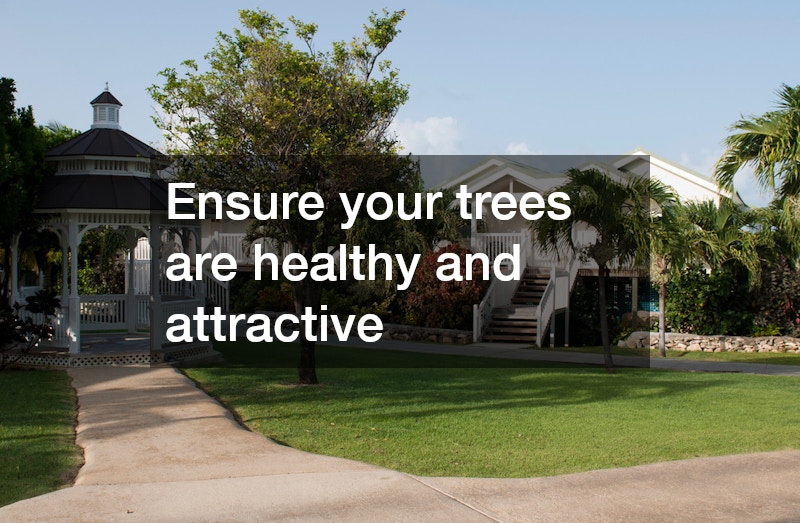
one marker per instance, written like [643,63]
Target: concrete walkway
[159,449]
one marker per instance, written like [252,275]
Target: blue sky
[485,77]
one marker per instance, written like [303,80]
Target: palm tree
[618,212]
[769,144]
[669,252]
[725,236]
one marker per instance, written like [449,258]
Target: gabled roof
[493,168]
[106,98]
[681,171]
[104,142]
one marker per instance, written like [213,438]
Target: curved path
[159,449]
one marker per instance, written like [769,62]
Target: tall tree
[769,144]
[266,116]
[618,212]
[22,170]
[669,253]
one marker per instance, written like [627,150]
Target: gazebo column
[194,234]
[64,268]
[14,269]
[74,319]
[131,310]
[156,314]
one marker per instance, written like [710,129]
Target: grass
[37,438]
[471,417]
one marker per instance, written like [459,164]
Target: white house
[521,311]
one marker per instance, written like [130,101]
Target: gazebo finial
[106,89]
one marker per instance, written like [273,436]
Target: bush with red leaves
[431,302]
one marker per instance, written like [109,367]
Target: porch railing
[496,243]
[482,312]
[555,294]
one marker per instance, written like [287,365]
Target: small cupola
[105,110]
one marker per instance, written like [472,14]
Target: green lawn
[469,417]
[37,438]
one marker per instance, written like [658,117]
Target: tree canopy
[22,169]
[268,112]
[769,144]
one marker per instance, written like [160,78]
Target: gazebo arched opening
[107,180]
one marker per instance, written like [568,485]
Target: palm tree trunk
[607,359]
[662,320]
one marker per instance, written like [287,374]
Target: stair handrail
[482,312]
[218,292]
[544,309]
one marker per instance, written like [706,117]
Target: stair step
[512,323]
[508,337]
[512,330]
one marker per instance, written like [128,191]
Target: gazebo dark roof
[106,98]
[104,142]
[88,191]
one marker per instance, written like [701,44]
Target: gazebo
[107,178]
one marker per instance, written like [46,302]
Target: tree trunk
[662,320]
[607,359]
[307,293]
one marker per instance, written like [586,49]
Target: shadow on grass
[407,384]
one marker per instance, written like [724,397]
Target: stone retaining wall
[392,331]
[698,343]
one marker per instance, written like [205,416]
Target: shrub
[23,334]
[275,298]
[776,302]
[249,295]
[431,302]
[716,303]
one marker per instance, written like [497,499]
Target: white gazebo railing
[103,311]
[187,307]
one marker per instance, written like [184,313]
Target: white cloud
[705,165]
[520,148]
[744,182]
[433,135]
